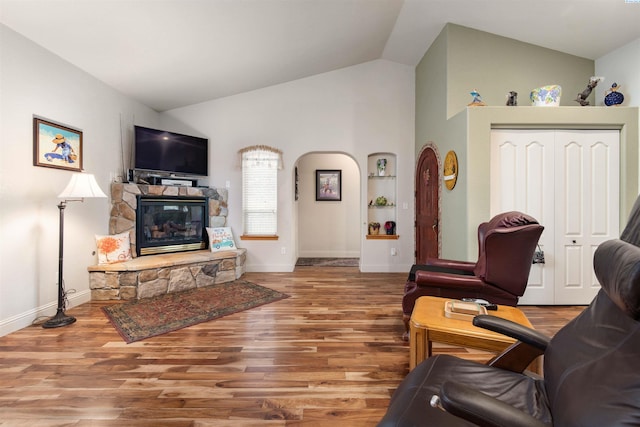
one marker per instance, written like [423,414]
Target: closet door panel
[587,203]
[523,173]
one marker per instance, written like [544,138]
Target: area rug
[149,317]
[327,262]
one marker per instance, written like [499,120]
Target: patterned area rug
[327,262]
[149,317]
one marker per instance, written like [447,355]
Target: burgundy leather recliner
[506,245]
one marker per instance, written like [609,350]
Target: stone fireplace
[165,208]
[167,271]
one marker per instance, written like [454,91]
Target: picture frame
[56,146]
[328,185]
[296,180]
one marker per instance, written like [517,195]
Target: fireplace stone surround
[124,202]
[152,275]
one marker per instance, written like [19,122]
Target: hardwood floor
[331,354]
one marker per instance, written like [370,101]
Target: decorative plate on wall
[450,175]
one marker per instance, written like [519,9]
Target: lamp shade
[81,185]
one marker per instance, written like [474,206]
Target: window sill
[251,237]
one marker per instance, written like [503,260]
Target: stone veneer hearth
[152,275]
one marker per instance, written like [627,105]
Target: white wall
[357,110]
[621,66]
[35,82]
[328,228]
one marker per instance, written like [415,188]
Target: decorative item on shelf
[613,97]
[374,228]
[381,201]
[512,99]
[477,99]
[546,96]
[582,96]
[450,170]
[390,227]
[80,186]
[382,167]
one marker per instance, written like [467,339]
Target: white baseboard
[385,268]
[271,268]
[27,318]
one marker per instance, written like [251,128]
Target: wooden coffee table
[429,324]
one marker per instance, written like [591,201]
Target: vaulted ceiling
[172,53]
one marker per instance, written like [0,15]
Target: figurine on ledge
[477,99]
[582,96]
[613,97]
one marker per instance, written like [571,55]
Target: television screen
[174,153]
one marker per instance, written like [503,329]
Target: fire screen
[171,224]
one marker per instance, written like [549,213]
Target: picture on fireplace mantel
[56,146]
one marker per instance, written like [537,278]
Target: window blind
[260,192]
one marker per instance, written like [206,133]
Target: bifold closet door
[569,181]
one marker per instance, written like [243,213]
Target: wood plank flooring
[330,355]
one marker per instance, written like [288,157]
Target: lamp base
[60,319]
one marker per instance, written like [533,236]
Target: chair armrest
[451,264]
[483,410]
[512,329]
[430,278]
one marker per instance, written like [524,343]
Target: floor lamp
[80,187]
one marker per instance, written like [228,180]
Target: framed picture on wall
[328,185]
[56,146]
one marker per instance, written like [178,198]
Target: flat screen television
[169,152]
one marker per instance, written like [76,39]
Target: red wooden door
[427,208]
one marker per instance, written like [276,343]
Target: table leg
[418,346]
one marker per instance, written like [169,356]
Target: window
[260,166]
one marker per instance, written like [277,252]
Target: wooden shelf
[382,237]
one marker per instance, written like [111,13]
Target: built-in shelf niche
[381,194]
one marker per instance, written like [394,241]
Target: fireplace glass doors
[171,224]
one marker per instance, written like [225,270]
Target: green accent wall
[462,59]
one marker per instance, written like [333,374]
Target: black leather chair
[591,366]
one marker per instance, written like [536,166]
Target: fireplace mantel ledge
[149,262]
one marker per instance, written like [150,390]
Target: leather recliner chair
[506,245]
[591,369]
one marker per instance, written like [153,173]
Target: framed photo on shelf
[328,185]
[56,146]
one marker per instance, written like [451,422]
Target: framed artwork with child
[56,146]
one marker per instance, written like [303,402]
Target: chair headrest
[617,267]
[511,219]
[631,232]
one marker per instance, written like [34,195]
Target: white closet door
[569,181]
[522,179]
[587,208]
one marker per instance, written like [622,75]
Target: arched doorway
[427,204]
[328,228]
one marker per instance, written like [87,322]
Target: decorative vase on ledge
[382,167]
[390,227]
[374,228]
